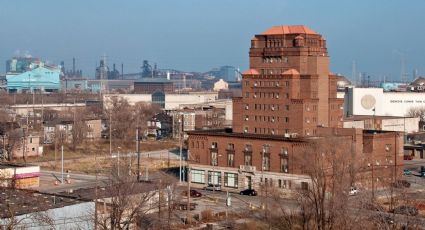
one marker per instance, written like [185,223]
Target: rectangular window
[246,94]
[198,176]
[266,162]
[214,178]
[248,155]
[231,180]
[283,164]
[287,107]
[286,119]
[231,159]
[214,160]
[304,185]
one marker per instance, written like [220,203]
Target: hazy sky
[197,35]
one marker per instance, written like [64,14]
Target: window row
[247,160]
[279,59]
[230,179]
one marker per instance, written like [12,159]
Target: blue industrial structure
[40,79]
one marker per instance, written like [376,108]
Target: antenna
[353,71]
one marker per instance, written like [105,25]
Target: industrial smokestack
[168,75]
[73,66]
[122,71]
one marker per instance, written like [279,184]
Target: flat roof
[230,133]
[4,165]
[15,202]
[365,117]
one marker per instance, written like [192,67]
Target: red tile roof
[251,72]
[291,72]
[276,30]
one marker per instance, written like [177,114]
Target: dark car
[406,210]
[248,192]
[193,193]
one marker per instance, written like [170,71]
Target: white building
[172,101]
[220,85]
[374,101]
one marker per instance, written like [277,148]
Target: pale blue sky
[197,35]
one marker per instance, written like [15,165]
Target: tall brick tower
[288,89]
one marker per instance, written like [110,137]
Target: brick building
[151,85]
[288,103]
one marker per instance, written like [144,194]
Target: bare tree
[324,201]
[124,202]
[125,118]
[79,129]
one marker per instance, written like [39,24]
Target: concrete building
[25,109]
[289,102]
[167,101]
[386,123]
[375,101]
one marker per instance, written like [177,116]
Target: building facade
[289,104]
[151,85]
[375,101]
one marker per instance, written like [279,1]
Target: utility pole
[138,153]
[62,163]
[181,146]
[95,192]
[188,194]
[110,133]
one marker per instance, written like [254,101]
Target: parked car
[193,193]
[407,172]
[406,210]
[401,184]
[248,192]
[353,191]
[408,157]
[212,187]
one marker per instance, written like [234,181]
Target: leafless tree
[79,128]
[125,118]
[329,164]
[13,141]
[124,202]
[27,220]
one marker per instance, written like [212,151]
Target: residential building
[63,128]
[160,126]
[289,104]
[21,143]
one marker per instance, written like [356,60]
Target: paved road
[48,180]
